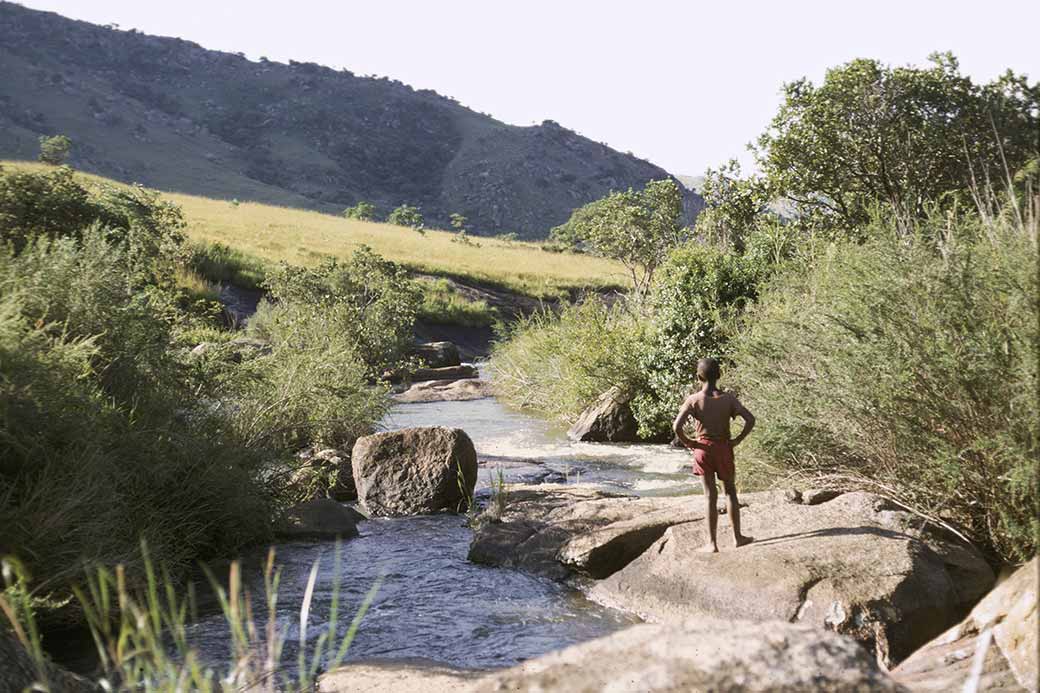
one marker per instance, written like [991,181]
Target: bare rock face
[438,354]
[445,391]
[322,518]
[396,676]
[855,564]
[715,656]
[415,471]
[1001,631]
[609,420]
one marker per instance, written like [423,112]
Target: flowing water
[432,602]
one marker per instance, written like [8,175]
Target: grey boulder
[415,471]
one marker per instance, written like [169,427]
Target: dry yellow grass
[305,237]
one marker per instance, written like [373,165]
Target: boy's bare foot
[709,548]
[744,541]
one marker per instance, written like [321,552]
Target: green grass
[443,305]
[270,234]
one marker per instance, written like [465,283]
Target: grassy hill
[273,233]
[175,116]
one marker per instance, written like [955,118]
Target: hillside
[172,115]
[305,237]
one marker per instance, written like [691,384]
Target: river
[433,603]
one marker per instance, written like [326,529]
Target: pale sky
[684,84]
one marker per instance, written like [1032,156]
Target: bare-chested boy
[711,410]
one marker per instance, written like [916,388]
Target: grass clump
[442,304]
[142,637]
[221,264]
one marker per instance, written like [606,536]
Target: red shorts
[716,457]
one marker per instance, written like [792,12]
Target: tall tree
[904,136]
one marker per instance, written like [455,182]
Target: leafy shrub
[443,305]
[101,440]
[559,364]
[700,292]
[362,211]
[406,215]
[55,150]
[370,301]
[909,367]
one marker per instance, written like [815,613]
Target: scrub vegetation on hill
[872,294]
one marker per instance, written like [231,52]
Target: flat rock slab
[445,391]
[854,564]
[415,471]
[720,657]
[1002,629]
[560,529]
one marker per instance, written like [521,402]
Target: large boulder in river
[856,564]
[438,354]
[1001,631]
[608,420]
[415,471]
[704,655]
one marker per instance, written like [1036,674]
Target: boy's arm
[679,427]
[749,422]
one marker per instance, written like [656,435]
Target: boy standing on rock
[711,410]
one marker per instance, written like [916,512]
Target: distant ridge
[170,114]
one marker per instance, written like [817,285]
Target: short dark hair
[708,370]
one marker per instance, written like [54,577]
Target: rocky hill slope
[170,114]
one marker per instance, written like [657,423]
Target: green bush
[55,149]
[362,211]
[559,364]
[406,215]
[370,301]
[443,305]
[908,367]
[101,441]
[700,292]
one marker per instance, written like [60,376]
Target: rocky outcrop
[855,564]
[445,391]
[415,471]
[701,655]
[556,529]
[424,374]
[609,420]
[438,354]
[320,519]
[999,639]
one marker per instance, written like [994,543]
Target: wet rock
[724,656]
[557,530]
[853,565]
[415,471]
[1002,629]
[18,670]
[438,354]
[609,420]
[445,391]
[322,518]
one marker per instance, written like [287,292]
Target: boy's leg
[711,494]
[733,510]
